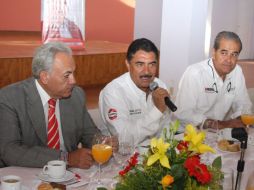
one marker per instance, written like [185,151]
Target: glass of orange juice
[101,152]
[247,117]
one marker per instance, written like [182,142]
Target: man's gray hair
[228,36]
[45,55]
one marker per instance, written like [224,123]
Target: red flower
[132,162]
[197,169]
[134,159]
[182,146]
[204,175]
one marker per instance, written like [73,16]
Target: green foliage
[138,180]
[143,177]
[101,188]
[217,177]
[217,163]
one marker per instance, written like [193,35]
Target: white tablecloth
[30,178]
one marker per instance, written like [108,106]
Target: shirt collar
[43,94]
[216,76]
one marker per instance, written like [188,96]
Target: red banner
[64,20]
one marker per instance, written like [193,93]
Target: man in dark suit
[24,132]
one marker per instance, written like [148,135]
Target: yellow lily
[159,148]
[195,140]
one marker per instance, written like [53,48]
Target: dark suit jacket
[23,138]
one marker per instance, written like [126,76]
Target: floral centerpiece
[172,164]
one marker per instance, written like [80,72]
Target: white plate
[226,151]
[68,176]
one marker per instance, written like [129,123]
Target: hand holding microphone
[153,86]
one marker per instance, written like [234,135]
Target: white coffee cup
[11,182]
[55,169]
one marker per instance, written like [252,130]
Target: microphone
[239,134]
[153,86]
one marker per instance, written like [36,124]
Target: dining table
[31,176]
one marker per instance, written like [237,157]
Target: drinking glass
[125,149]
[247,117]
[101,152]
[210,127]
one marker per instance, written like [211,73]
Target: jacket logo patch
[112,114]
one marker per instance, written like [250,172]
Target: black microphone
[239,134]
[153,86]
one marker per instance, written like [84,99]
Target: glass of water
[126,148]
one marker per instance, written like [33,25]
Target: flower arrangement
[172,164]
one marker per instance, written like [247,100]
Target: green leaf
[217,163]
[177,171]
[101,188]
[174,126]
[164,133]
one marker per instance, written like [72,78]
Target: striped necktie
[53,134]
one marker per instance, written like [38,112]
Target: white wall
[148,16]
[182,37]
[184,25]
[246,28]
[236,16]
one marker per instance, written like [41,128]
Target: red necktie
[53,134]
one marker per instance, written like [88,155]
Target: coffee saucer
[68,176]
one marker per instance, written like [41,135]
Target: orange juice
[247,119]
[101,153]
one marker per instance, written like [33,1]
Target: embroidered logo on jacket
[135,111]
[112,114]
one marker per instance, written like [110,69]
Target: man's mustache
[145,76]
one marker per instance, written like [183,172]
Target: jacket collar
[35,109]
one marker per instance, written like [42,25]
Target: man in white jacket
[127,105]
[214,89]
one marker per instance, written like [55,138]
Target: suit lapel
[35,110]
[67,122]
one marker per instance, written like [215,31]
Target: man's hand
[80,158]
[158,96]
[232,123]
[114,141]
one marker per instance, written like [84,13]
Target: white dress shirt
[45,98]
[203,94]
[125,107]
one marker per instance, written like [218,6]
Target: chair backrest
[95,115]
[248,68]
